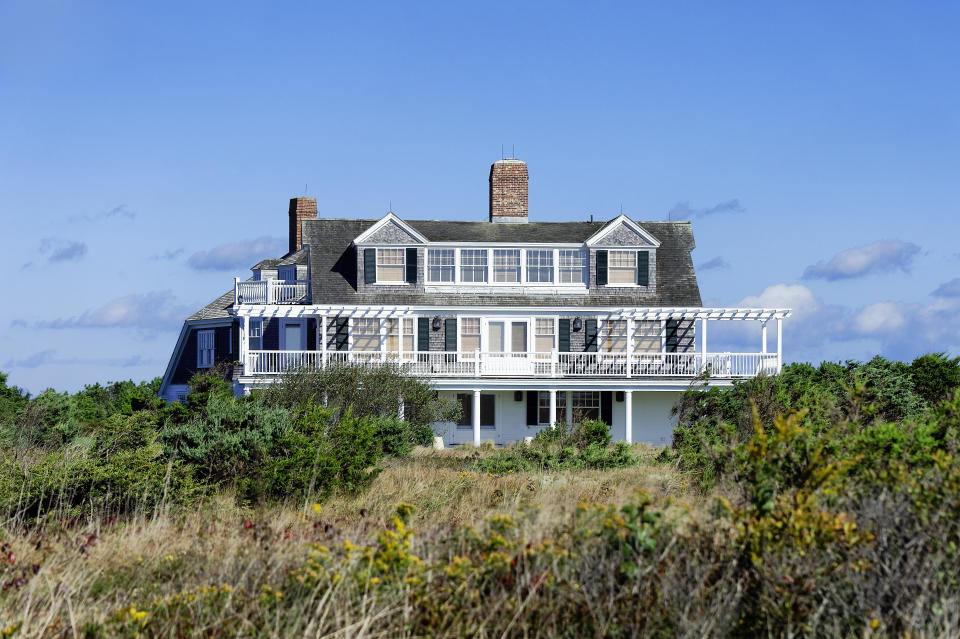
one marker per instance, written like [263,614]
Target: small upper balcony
[271,291]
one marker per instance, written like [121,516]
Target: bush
[935,376]
[589,432]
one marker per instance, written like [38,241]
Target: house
[525,323]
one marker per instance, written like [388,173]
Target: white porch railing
[270,291]
[479,364]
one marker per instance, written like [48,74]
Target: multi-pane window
[390,265]
[473,265]
[366,334]
[440,265]
[487,406]
[543,407]
[256,334]
[646,336]
[506,265]
[586,405]
[544,335]
[622,267]
[205,349]
[614,336]
[539,265]
[469,335]
[561,406]
[572,266]
[392,330]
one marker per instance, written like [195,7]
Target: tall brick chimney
[301,208]
[508,191]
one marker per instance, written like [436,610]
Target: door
[507,348]
[292,341]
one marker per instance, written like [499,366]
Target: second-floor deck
[271,291]
[477,364]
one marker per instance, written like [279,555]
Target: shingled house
[524,323]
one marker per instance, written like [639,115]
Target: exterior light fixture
[436,323]
[577,324]
[240,299]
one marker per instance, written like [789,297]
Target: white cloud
[880,318]
[795,296]
[878,257]
[154,310]
[683,210]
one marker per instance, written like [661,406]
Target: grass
[74,577]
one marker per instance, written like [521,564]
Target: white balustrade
[535,365]
[270,291]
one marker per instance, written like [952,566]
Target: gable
[390,229]
[622,231]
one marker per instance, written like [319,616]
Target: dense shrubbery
[120,446]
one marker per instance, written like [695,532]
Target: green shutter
[606,407]
[411,274]
[563,343]
[601,268]
[673,327]
[450,335]
[590,335]
[342,334]
[643,268]
[423,333]
[369,266]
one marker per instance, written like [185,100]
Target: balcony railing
[539,365]
[271,291]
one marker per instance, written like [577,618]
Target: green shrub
[589,432]
[935,376]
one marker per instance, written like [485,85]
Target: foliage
[935,376]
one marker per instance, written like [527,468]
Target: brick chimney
[301,208]
[508,191]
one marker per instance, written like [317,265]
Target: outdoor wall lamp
[436,323]
[577,324]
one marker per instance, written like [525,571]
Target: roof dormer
[390,229]
[622,231]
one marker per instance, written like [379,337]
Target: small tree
[935,375]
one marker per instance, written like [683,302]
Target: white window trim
[491,267]
[403,253]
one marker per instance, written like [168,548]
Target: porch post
[323,340]
[400,406]
[628,404]
[703,343]
[476,418]
[631,327]
[763,337]
[779,344]
[244,342]
[553,408]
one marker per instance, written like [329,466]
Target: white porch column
[244,342]
[779,344]
[703,344]
[631,327]
[553,408]
[628,405]
[323,340]
[476,418]
[763,338]
[400,406]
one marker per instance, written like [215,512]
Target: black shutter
[643,268]
[590,335]
[312,334]
[369,266]
[486,410]
[672,340]
[606,407]
[466,403]
[563,343]
[341,337]
[423,333]
[450,335]
[533,408]
[601,268]
[411,274]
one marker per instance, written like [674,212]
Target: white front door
[506,348]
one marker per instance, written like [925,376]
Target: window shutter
[411,274]
[563,343]
[533,408]
[341,338]
[486,410]
[450,335]
[673,326]
[423,333]
[643,268]
[466,404]
[369,266]
[606,407]
[590,335]
[601,268]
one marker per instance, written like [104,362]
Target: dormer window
[506,265]
[390,265]
[572,266]
[539,265]
[623,268]
[440,265]
[473,265]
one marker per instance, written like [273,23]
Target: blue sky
[147,153]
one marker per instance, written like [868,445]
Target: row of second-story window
[486,266]
[468,334]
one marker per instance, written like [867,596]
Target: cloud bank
[948,289]
[882,256]
[237,255]
[154,310]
